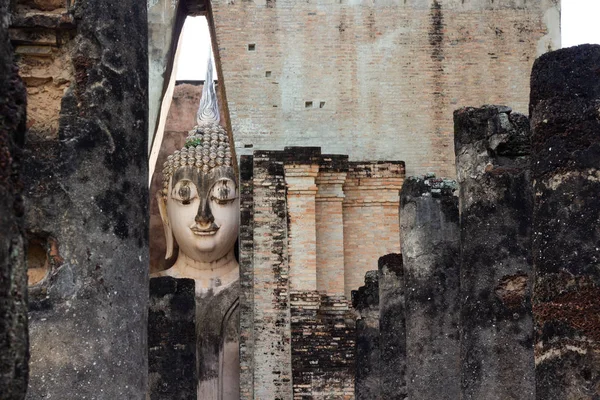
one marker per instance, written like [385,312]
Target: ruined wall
[323,346]
[14,352]
[374,80]
[86,181]
[270,331]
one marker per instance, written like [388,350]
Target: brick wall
[323,346]
[374,80]
[271,308]
[370,217]
[330,224]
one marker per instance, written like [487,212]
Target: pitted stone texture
[392,327]
[172,339]
[431,254]
[496,200]
[14,352]
[88,189]
[565,99]
[365,301]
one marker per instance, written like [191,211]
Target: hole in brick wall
[275,105]
[251,47]
[308,104]
[268,74]
[322,104]
[37,261]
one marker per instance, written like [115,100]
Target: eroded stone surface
[431,255]
[87,189]
[565,97]
[14,353]
[365,301]
[492,162]
[392,327]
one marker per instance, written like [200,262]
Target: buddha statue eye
[184,192]
[224,192]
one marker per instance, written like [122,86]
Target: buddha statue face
[199,203]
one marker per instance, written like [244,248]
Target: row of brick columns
[340,222]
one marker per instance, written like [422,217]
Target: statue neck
[208,275]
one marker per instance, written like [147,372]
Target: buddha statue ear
[162,207]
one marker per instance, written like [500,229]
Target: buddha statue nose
[204,215]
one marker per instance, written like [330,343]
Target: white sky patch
[580,23]
[195,45]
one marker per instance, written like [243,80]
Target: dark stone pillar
[392,327]
[87,190]
[431,252]
[565,98]
[14,352]
[172,339]
[365,301]
[492,160]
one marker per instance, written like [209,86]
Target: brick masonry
[374,80]
[271,332]
[371,218]
[323,346]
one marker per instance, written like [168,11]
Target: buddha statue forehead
[205,158]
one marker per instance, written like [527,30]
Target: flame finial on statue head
[208,112]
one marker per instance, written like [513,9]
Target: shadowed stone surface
[87,190]
[14,352]
[172,339]
[492,162]
[431,253]
[565,99]
[392,327]
[365,300]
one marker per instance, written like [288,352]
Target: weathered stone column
[492,162]
[13,275]
[430,239]
[330,224]
[565,97]
[365,300]
[392,327]
[301,168]
[87,203]
[172,339]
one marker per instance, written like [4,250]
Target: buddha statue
[199,207]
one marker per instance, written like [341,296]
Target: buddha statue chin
[201,212]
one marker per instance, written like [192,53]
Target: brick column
[371,217]
[330,224]
[301,167]
[272,371]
